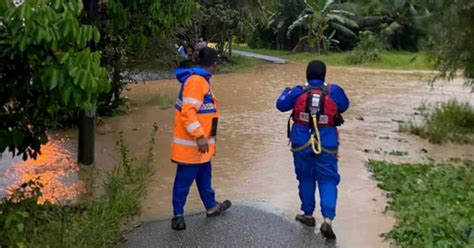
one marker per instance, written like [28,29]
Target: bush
[450,121]
[96,223]
[431,202]
[368,49]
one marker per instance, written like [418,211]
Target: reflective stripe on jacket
[195,108]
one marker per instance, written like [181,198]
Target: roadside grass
[431,202]
[238,64]
[389,59]
[97,222]
[163,101]
[442,122]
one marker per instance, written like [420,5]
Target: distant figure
[317,109]
[193,145]
[201,44]
[182,52]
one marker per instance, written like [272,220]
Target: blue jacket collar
[182,74]
[315,82]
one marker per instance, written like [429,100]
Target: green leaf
[54,79]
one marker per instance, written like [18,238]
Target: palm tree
[319,16]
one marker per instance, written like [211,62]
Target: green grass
[433,203]
[162,101]
[448,121]
[97,222]
[389,59]
[398,153]
[239,63]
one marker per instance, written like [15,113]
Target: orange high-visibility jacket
[196,108]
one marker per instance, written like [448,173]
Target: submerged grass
[431,202]
[163,101]
[448,121]
[389,59]
[94,223]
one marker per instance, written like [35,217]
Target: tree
[137,33]
[221,21]
[396,20]
[45,70]
[451,31]
[318,17]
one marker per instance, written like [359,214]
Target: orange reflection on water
[56,169]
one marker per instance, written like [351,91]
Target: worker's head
[316,70]
[208,59]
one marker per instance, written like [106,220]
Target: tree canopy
[45,69]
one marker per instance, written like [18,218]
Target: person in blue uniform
[315,145]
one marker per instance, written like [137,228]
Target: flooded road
[254,164]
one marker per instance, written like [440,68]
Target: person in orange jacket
[193,145]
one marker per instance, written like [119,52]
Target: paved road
[272,59]
[241,226]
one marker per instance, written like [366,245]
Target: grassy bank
[433,203]
[442,122]
[97,222]
[239,63]
[389,59]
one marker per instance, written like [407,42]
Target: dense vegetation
[448,121]
[97,222]
[46,70]
[432,202]
[48,74]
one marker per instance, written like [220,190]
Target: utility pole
[86,146]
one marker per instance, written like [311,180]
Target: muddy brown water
[254,164]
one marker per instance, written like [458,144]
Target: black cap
[207,57]
[316,70]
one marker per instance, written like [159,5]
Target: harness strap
[300,148]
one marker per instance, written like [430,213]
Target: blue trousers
[185,176]
[321,169]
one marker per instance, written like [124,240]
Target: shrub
[431,202]
[448,121]
[368,49]
[95,223]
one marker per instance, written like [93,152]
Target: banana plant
[321,15]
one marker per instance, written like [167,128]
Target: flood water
[254,164]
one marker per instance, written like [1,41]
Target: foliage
[368,49]
[221,21]
[97,223]
[276,24]
[136,33]
[318,17]
[447,121]
[399,21]
[432,202]
[45,69]
[451,31]
[389,59]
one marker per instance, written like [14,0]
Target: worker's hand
[203,144]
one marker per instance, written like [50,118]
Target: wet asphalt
[240,226]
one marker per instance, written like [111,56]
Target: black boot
[178,224]
[306,220]
[327,232]
[220,208]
